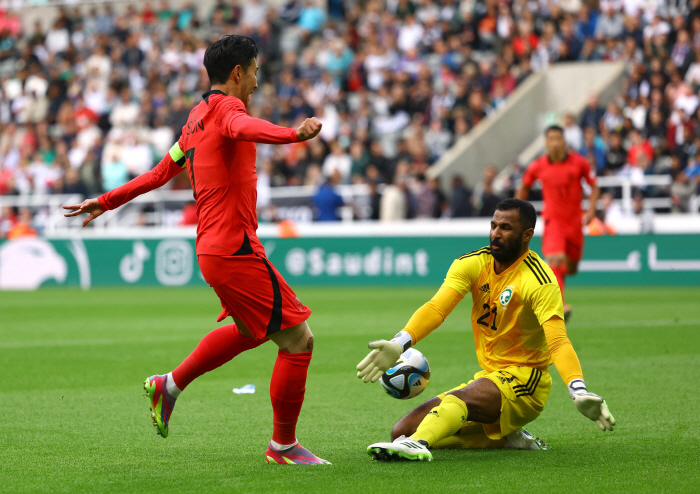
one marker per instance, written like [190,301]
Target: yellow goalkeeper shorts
[524,392]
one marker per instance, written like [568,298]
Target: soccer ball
[408,377]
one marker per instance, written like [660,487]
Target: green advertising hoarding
[611,260]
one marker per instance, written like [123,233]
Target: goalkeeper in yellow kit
[518,323]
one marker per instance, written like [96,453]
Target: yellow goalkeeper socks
[442,421]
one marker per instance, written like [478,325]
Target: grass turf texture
[74,419]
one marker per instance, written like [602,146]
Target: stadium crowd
[100,96]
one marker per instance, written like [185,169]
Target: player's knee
[298,340]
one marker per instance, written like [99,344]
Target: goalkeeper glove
[591,405]
[384,354]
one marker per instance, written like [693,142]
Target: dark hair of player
[223,56]
[528,216]
[555,127]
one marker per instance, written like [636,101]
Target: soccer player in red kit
[217,147]
[560,172]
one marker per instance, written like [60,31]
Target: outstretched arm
[168,167]
[426,319]
[566,361]
[238,125]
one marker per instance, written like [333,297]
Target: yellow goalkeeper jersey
[508,308]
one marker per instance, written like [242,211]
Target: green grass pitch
[73,418]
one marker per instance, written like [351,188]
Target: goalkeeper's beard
[506,253]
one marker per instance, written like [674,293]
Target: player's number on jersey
[189,154]
[483,320]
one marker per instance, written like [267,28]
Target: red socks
[288,377]
[215,349]
[287,394]
[560,272]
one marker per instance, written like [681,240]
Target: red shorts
[562,239]
[251,289]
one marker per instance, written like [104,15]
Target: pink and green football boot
[296,455]
[162,403]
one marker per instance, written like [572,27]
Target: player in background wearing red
[560,172]
[217,147]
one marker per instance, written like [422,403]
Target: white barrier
[162,209]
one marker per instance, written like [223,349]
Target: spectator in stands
[437,140]
[638,145]
[616,156]
[573,135]
[23,227]
[593,149]
[114,173]
[610,24]
[394,205]
[426,199]
[681,190]
[592,114]
[692,172]
[485,199]
[338,161]
[327,200]
[461,202]
[612,213]
[395,84]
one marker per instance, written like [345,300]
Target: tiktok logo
[131,265]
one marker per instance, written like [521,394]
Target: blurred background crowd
[98,97]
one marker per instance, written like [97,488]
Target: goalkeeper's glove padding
[591,405]
[384,355]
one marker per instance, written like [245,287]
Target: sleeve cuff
[103,203]
[404,339]
[577,387]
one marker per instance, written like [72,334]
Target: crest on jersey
[505,296]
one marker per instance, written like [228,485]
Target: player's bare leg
[287,389]
[426,426]
[214,350]
[482,399]
[470,436]
[434,425]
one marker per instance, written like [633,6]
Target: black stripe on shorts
[532,374]
[532,388]
[275,323]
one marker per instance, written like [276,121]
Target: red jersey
[218,148]
[561,186]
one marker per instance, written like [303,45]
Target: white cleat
[522,439]
[403,448]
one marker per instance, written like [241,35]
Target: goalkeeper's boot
[162,403]
[403,448]
[296,455]
[522,439]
